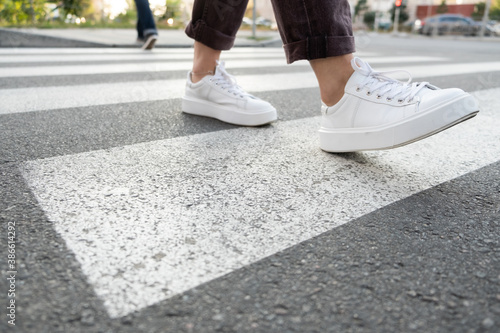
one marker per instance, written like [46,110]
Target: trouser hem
[208,36]
[148,32]
[319,47]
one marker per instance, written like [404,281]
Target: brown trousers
[309,29]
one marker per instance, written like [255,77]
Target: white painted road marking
[165,66]
[152,220]
[51,98]
[146,56]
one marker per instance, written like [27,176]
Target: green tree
[74,7]
[91,14]
[360,7]
[20,12]
[369,19]
[480,7]
[128,17]
[442,8]
[173,9]
[495,11]
[403,14]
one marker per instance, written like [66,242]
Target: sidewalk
[82,37]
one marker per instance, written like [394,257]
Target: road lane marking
[152,220]
[116,50]
[122,58]
[68,58]
[146,67]
[50,98]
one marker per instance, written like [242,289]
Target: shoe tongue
[361,71]
[220,69]
[355,78]
[361,67]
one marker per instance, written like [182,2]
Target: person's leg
[362,109]
[213,26]
[145,16]
[321,32]
[215,23]
[204,61]
[210,90]
[146,24]
[332,74]
[314,29]
[140,30]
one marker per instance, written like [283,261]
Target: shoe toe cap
[449,105]
[434,98]
[255,105]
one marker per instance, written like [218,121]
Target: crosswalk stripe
[121,68]
[65,58]
[68,58]
[121,51]
[26,51]
[49,98]
[151,220]
[164,66]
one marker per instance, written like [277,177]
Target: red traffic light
[398,3]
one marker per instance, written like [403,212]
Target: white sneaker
[378,112]
[218,96]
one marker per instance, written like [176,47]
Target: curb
[12,38]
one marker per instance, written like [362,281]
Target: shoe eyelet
[368,93]
[400,101]
[388,99]
[358,89]
[379,97]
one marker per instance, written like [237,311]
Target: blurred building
[420,9]
[426,8]
[416,9]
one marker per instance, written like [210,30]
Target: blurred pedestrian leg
[146,27]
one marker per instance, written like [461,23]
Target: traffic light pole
[396,20]
[254,17]
[485,18]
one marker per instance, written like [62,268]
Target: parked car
[418,26]
[489,29]
[450,24]
[263,22]
[385,25]
[260,22]
[496,29]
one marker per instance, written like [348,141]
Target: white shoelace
[228,82]
[382,85]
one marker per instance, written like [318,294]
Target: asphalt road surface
[122,214]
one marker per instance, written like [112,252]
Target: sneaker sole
[227,114]
[399,134]
[149,43]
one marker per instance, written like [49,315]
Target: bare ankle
[204,61]
[198,76]
[332,74]
[332,98]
